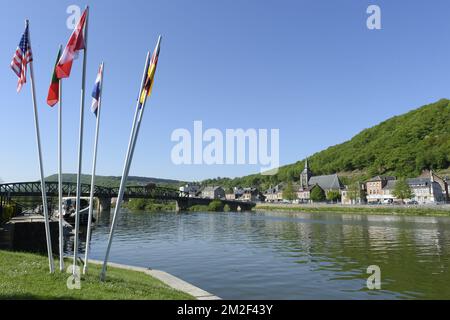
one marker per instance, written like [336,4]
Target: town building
[443,182]
[245,194]
[304,194]
[427,189]
[251,194]
[230,196]
[191,190]
[355,195]
[374,188]
[215,192]
[274,194]
[307,181]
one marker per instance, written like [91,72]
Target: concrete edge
[167,278]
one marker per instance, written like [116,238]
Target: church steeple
[305,176]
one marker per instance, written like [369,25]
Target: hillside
[114,181]
[402,146]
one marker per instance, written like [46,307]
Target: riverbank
[26,276]
[437,211]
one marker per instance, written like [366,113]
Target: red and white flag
[76,42]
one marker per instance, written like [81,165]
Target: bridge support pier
[182,204]
[104,204]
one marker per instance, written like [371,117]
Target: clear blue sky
[310,68]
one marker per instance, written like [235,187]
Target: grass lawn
[388,210]
[26,276]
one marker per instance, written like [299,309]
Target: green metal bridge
[105,194]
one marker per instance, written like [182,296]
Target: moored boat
[69,210]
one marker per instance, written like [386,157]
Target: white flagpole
[141,114]
[80,151]
[41,168]
[94,164]
[126,168]
[61,235]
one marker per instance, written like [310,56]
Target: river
[266,255]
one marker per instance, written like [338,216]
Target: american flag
[21,58]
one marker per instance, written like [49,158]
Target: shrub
[150,205]
[317,194]
[333,196]
[216,205]
[6,214]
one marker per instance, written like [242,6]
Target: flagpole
[60,180]
[80,150]
[41,168]
[126,169]
[141,114]
[94,164]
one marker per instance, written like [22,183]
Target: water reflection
[285,256]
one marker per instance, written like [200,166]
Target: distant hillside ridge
[402,146]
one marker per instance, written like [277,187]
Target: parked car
[412,202]
[388,201]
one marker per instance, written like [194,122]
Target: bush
[289,192]
[6,214]
[317,194]
[226,208]
[402,190]
[136,204]
[215,205]
[150,205]
[333,196]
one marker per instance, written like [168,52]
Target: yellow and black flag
[148,84]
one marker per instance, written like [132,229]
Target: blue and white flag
[97,90]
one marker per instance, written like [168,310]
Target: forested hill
[114,181]
[402,146]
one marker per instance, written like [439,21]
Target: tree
[317,194]
[333,196]
[402,190]
[354,192]
[289,192]
[216,205]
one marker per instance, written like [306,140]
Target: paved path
[170,280]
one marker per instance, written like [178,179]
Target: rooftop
[327,182]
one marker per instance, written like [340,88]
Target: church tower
[305,176]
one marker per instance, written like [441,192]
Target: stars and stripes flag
[148,84]
[77,42]
[21,58]
[97,90]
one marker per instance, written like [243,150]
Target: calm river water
[287,255]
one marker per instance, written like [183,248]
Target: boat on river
[69,210]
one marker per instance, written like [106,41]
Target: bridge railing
[70,188]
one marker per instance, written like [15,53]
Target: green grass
[26,276]
[388,210]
